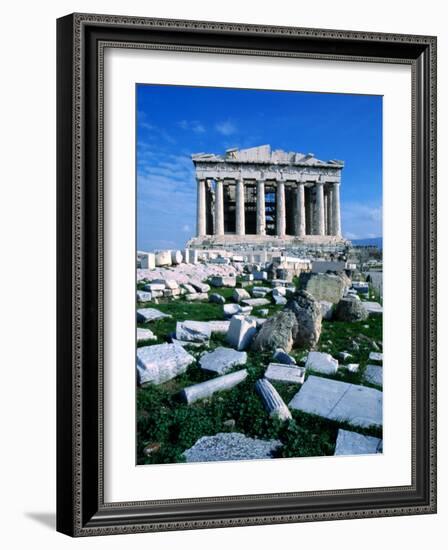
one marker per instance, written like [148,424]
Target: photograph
[259,269]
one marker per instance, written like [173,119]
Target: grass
[171,426]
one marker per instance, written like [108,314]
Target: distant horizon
[174,122]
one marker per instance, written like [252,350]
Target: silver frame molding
[81,40]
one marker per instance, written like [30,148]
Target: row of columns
[326,217]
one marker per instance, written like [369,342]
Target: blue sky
[175,121]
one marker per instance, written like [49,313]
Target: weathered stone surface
[278,332]
[376,357]
[358,405]
[171,284]
[260,291]
[223,282]
[321,362]
[189,288]
[309,319]
[325,286]
[374,374]
[260,276]
[373,308]
[350,310]
[145,334]
[230,446]
[240,294]
[222,360]
[361,287]
[193,331]
[255,302]
[208,388]
[280,300]
[285,373]
[147,314]
[236,309]
[200,287]
[352,367]
[326,309]
[176,257]
[241,332]
[352,443]
[143,296]
[272,401]
[198,297]
[280,356]
[171,292]
[154,287]
[216,298]
[161,362]
[163,258]
[146,260]
[219,327]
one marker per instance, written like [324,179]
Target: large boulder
[350,310]
[278,331]
[307,312]
[326,286]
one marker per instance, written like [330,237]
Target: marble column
[330,211]
[281,209]
[219,208]
[320,209]
[240,207]
[336,210]
[261,209]
[325,211]
[299,229]
[201,209]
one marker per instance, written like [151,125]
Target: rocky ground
[233,365]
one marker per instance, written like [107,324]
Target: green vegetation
[168,426]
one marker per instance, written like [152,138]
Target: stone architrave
[222,360]
[352,443]
[241,332]
[289,374]
[357,405]
[208,388]
[162,362]
[272,401]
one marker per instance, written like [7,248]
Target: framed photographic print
[246,274]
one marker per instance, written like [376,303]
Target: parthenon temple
[263,196]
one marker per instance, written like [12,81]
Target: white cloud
[192,125]
[226,128]
[361,221]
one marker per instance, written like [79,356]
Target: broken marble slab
[235,309]
[280,356]
[148,314]
[321,362]
[222,360]
[376,357]
[199,297]
[290,374]
[143,296]
[373,308]
[231,446]
[200,286]
[374,374]
[240,294]
[161,362]
[217,281]
[241,332]
[151,287]
[189,288]
[193,331]
[272,401]
[219,327]
[208,388]
[145,334]
[352,443]
[340,401]
[256,302]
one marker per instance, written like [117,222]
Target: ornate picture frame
[81,507]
